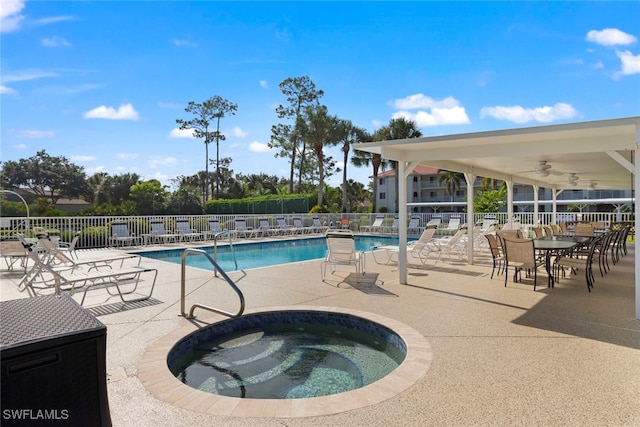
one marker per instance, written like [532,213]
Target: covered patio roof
[600,154]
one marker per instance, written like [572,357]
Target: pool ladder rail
[217,269]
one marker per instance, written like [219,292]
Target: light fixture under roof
[572,178]
[542,168]
[592,185]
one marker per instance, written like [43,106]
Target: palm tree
[363,158]
[348,134]
[319,130]
[400,128]
[451,181]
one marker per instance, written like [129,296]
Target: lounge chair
[414,226]
[394,226]
[186,232]
[72,279]
[13,252]
[159,233]
[299,226]
[264,228]
[120,235]
[241,228]
[215,229]
[283,227]
[420,249]
[453,245]
[341,251]
[317,226]
[376,226]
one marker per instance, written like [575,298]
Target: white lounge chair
[318,227]
[420,249]
[283,227]
[186,232]
[264,228]
[120,235]
[159,233]
[13,252]
[299,226]
[414,226]
[69,280]
[394,226]
[341,251]
[376,226]
[241,228]
[215,229]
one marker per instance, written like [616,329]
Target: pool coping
[156,377]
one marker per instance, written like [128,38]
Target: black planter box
[53,364]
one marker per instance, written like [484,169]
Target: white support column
[554,206]
[536,205]
[402,223]
[509,201]
[471,179]
[636,185]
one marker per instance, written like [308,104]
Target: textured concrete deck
[500,356]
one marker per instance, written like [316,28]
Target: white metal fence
[95,231]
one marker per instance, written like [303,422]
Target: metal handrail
[215,249]
[224,276]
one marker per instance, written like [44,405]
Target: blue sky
[102,82]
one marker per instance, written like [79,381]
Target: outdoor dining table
[553,244]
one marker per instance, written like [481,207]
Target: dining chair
[496,253]
[520,254]
[574,262]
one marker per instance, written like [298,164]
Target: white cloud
[127,156]
[83,158]
[630,63]
[32,133]
[54,20]
[264,84]
[431,112]
[184,43]
[610,37]
[154,162]
[4,90]
[239,133]
[259,147]
[124,112]
[518,114]
[55,41]
[10,16]
[181,133]
[24,75]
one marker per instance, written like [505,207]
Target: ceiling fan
[542,168]
[572,179]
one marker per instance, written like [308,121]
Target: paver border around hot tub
[155,375]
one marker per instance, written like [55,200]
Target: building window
[381,181]
[415,194]
[432,178]
[415,179]
[432,194]
[383,196]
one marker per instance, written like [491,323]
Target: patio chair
[299,227]
[454,224]
[158,232]
[393,228]
[414,226]
[376,225]
[420,249]
[520,254]
[584,229]
[242,229]
[264,228]
[14,252]
[73,279]
[496,253]
[120,235]
[318,227]
[283,227]
[69,248]
[434,223]
[215,229]
[186,232]
[575,262]
[453,245]
[341,251]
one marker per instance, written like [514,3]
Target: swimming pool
[264,254]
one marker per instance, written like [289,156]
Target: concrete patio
[501,356]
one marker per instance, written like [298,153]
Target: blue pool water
[264,254]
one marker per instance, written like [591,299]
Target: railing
[215,249]
[96,231]
[205,307]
